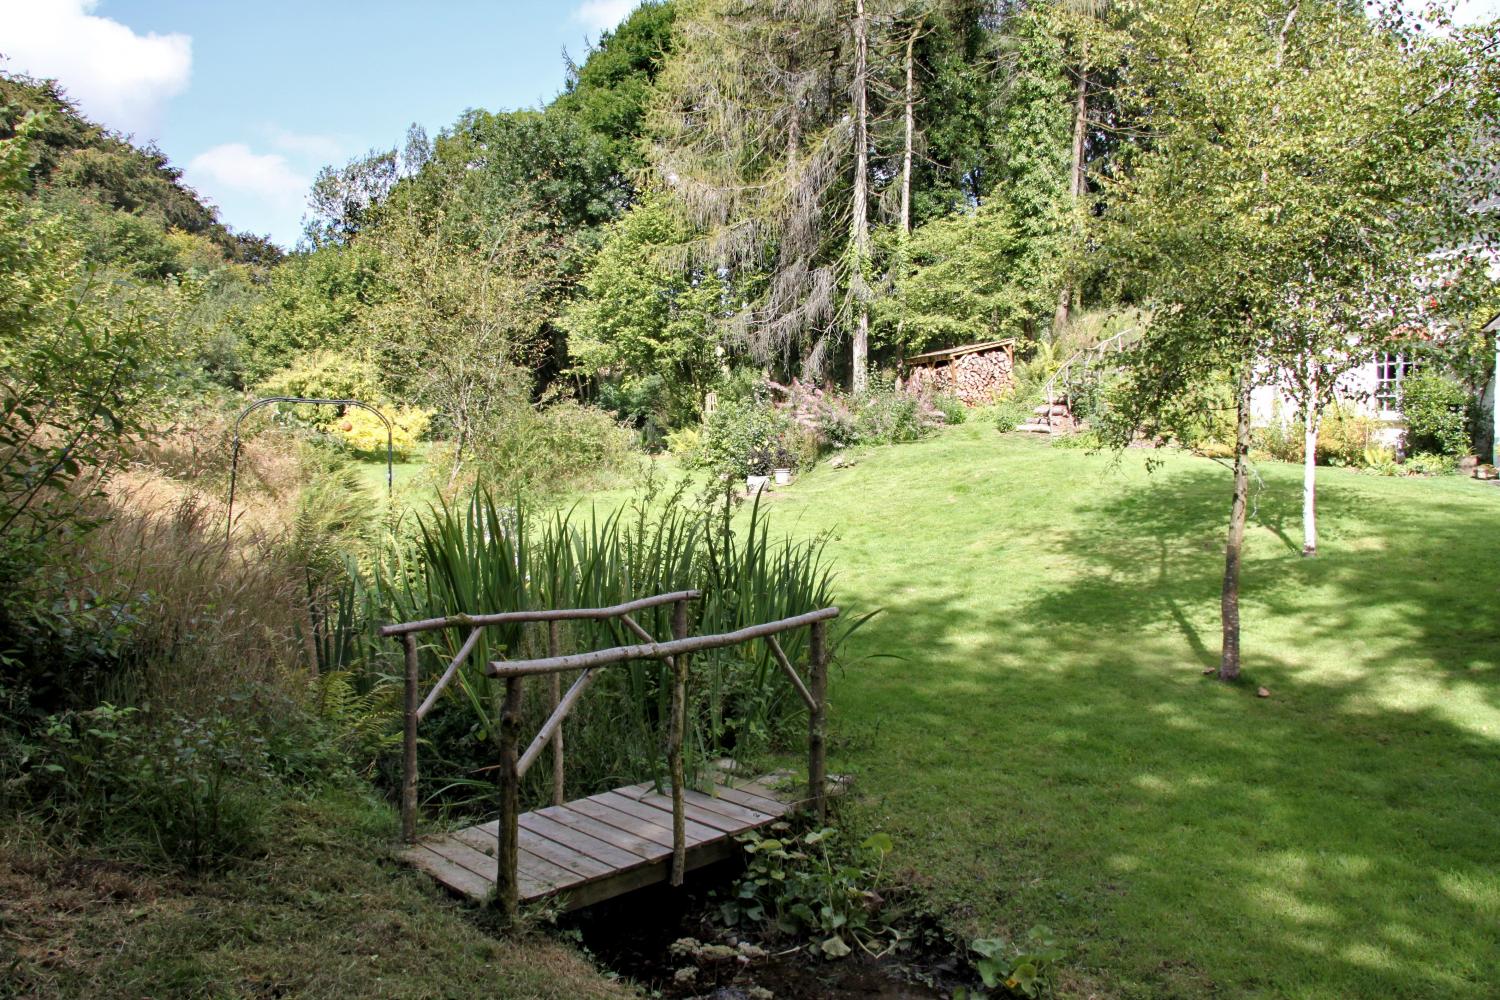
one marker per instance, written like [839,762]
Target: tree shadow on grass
[1061,762]
[1406,582]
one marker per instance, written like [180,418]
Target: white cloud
[236,167]
[245,184]
[319,149]
[602,15]
[117,77]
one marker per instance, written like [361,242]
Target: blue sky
[252,98]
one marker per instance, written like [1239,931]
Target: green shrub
[683,442]
[953,409]
[1027,968]
[881,414]
[1433,406]
[767,425]
[1379,460]
[800,448]
[886,415]
[1084,440]
[179,790]
[536,452]
[1344,436]
[1428,464]
[1013,411]
[814,886]
[737,432]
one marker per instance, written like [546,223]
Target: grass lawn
[1028,716]
[403,476]
[325,913]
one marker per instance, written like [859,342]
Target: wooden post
[507,889]
[678,724]
[554,689]
[817,762]
[409,756]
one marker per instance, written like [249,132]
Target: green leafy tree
[126,195]
[973,275]
[1298,151]
[83,364]
[1091,46]
[345,199]
[609,93]
[462,317]
[314,300]
[991,270]
[644,322]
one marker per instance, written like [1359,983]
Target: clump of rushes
[490,557]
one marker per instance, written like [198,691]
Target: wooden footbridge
[592,849]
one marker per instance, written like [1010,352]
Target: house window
[1390,371]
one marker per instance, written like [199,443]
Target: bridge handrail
[415,712]
[1085,356]
[673,652]
[540,615]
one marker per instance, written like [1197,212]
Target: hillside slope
[327,912]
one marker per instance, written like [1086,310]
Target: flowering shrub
[882,414]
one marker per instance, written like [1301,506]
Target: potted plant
[783,461]
[758,470]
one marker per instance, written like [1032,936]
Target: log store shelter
[975,373]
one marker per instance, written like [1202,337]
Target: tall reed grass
[486,557]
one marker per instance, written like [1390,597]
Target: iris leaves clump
[488,557]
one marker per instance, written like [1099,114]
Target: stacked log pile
[976,375]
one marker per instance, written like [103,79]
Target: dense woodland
[718,241]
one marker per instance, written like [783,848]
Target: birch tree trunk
[1229,604]
[910,122]
[1495,405]
[1312,416]
[861,222]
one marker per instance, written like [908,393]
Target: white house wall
[1356,392]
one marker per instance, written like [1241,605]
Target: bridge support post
[817,720]
[507,858]
[675,730]
[409,754]
[554,689]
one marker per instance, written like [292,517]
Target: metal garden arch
[234,459]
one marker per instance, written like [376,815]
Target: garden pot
[783,477]
[754,484]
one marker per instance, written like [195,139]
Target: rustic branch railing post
[409,748]
[817,682]
[554,690]
[507,860]
[673,653]
[678,725]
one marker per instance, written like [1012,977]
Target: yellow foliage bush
[363,432]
